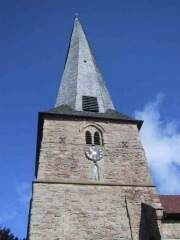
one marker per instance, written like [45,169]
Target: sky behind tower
[137,47]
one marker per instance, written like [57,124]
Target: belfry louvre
[92,177]
[90,104]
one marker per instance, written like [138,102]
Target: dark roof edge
[139,123]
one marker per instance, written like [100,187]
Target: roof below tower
[171,203]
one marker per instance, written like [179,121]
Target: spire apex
[76,15]
[82,87]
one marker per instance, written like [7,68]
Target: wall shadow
[149,229]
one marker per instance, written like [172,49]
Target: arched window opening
[88,138]
[97,140]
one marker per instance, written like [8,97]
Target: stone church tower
[92,179]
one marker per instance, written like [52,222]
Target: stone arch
[95,125]
[96,133]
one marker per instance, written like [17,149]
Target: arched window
[88,138]
[97,140]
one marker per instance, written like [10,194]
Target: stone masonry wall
[69,204]
[86,212]
[62,153]
[171,230]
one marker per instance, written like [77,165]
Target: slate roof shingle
[81,75]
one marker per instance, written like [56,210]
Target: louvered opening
[90,104]
[88,138]
[97,139]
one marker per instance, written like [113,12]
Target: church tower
[92,179]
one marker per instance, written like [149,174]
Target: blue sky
[137,46]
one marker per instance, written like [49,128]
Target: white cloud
[161,141]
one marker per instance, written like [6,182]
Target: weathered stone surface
[68,204]
[171,230]
[67,211]
[62,153]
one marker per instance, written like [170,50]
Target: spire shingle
[82,86]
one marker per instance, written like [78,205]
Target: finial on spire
[76,15]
